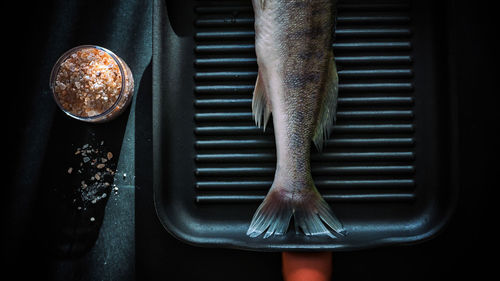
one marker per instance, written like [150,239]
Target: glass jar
[91,84]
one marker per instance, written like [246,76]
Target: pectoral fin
[328,110]
[261,107]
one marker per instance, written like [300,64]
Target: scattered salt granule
[94,175]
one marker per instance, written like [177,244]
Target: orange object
[307,266]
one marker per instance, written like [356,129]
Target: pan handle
[307,266]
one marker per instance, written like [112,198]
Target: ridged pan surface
[386,168]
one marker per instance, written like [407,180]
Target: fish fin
[315,217]
[312,214]
[272,217]
[261,108]
[328,110]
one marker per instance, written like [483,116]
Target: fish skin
[297,82]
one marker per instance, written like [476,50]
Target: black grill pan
[387,169]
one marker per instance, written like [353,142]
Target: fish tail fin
[315,217]
[312,214]
[272,217]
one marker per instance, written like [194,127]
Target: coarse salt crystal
[83,71]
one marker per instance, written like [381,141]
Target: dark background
[38,135]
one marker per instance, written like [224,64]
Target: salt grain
[78,87]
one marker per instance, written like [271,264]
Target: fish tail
[311,214]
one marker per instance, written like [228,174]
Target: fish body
[297,82]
